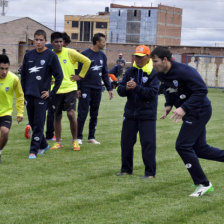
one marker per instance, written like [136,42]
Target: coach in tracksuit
[90,87]
[185,89]
[38,67]
[140,85]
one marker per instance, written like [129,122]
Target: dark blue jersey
[98,71]
[142,101]
[37,70]
[184,87]
[116,70]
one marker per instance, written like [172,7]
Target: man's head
[99,41]
[57,41]
[141,55]
[120,55]
[4,65]
[66,39]
[40,39]
[161,57]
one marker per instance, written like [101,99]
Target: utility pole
[3,4]
[55,13]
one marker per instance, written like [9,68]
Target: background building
[149,25]
[82,28]
[16,36]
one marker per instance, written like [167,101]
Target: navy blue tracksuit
[139,116]
[184,87]
[91,91]
[36,74]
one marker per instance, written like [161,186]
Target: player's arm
[75,57]
[19,99]
[56,71]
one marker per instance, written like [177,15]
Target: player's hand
[177,114]
[44,94]
[79,94]
[75,78]
[166,112]
[111,94]
[131,85]
[19,119]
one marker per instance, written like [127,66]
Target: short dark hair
[56,35]
[41,32]
[66,38]
[97,37]
[4,59]
[162,52]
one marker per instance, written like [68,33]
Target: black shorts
[65,102]
[6,121]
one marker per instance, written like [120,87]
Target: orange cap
[142,50]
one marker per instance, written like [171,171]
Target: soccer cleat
[94,141]
[123,174]
[148,177]
[56,146]
[27,133]
[79,141]
[42,151]
[32,156]
[76,146]
[201,190]
[51,139]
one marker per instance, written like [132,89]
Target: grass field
[81,187]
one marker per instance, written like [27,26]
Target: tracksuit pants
[147,133]
[36,111]
[191,144]
[89,101]
[50,122]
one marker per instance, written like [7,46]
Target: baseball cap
[142,50]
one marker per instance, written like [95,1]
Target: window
[74,36]
[119,13]
[101,25]
[149,13]
[67,22]
[75,24]
[135,13]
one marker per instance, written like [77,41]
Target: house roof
[6,19]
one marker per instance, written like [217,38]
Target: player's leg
[147,133]
[83,109]
[94,108]
[128,139]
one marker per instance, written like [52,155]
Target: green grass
[81,187]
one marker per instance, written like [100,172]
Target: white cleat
[79,141]
[201,190]
[94,141]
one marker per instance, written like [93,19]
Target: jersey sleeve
[19,97]
[78,57]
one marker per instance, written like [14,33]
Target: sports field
[81,187]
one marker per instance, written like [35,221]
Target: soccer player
[90,88]
[140,85]
[38,67]
[185,89]
[9,84]
[65,98]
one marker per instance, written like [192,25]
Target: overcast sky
[202,20]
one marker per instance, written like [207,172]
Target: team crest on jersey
[144,79]
[42,62]
[6,89]
[84,95]
[175,82]
[38,77]
[101,62]
[65,61]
